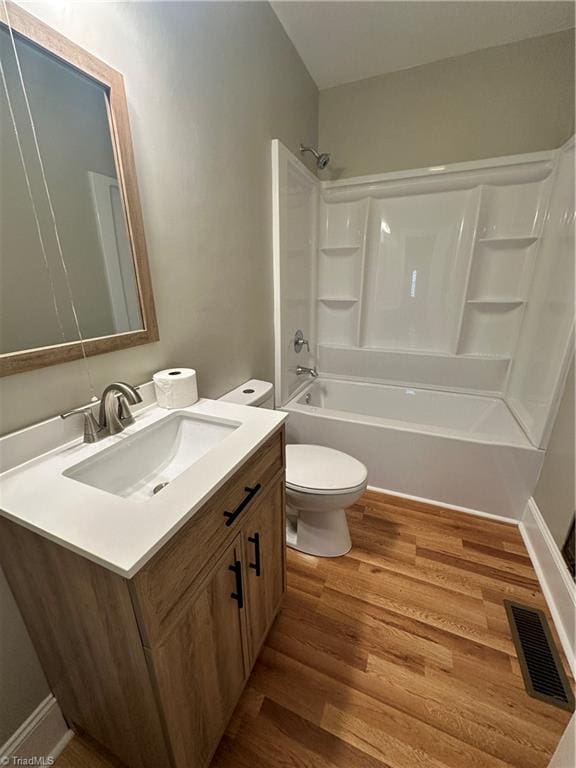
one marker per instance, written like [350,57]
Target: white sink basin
[140,465]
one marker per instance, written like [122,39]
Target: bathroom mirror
[73,265]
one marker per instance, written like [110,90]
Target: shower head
[322,159]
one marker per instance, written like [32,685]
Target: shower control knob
[300,341]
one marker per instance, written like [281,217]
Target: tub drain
[158,488]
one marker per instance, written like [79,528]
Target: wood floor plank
[470,578]
[426,572]
[250,705]
[323,633]
[476,683]
[425,743]
[501,560]
[464,526]
[417,510]
[499,551]
[398,655]
[373,544]
[312,586]
[501,573]
[387,639]
[377,741]
[272,747]
[413,589]
[319,740]
[516,546]
[431,614]
[366,612]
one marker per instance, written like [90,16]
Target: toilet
[320,483]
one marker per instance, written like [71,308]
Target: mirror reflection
[57,164]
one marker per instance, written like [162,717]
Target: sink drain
[158,488]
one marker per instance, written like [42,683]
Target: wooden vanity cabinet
[202,661]
[152,667]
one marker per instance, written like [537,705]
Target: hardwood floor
[395,656]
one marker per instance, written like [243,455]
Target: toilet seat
[316,469]
[333,492]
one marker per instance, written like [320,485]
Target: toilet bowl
[320,483]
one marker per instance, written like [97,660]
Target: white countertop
[118,533]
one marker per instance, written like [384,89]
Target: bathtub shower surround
[463,450]
[455,278]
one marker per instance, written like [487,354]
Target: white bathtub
[464,450]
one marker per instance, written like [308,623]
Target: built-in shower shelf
[340,250]
[338,299]
[497,302]
[509,242]
[490,327]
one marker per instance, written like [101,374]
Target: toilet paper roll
[176,387]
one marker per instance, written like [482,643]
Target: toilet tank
[252,392]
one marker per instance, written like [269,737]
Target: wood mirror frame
[27,26]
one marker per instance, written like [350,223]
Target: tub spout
[301,370]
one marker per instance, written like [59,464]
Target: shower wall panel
[433,262]
[417,258]
[295,225]
[546,342]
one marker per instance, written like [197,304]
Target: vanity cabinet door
[264,542]
[200,666]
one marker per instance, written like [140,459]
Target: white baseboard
[557,585]
[44,734]
[565,755]
[444,505]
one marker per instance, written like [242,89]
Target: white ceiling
[340,42]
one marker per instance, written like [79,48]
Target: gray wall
[209,85]
[555,490]
[504,100]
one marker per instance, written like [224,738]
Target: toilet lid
[317,468]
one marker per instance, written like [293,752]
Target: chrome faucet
[114,414]
[301,370]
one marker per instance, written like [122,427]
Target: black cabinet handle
[250,493]
[239,594]
[256,541]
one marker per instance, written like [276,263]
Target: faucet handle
[92,429]
[113,411]
[300,341]
[124,413]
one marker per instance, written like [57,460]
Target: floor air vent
[542,669]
